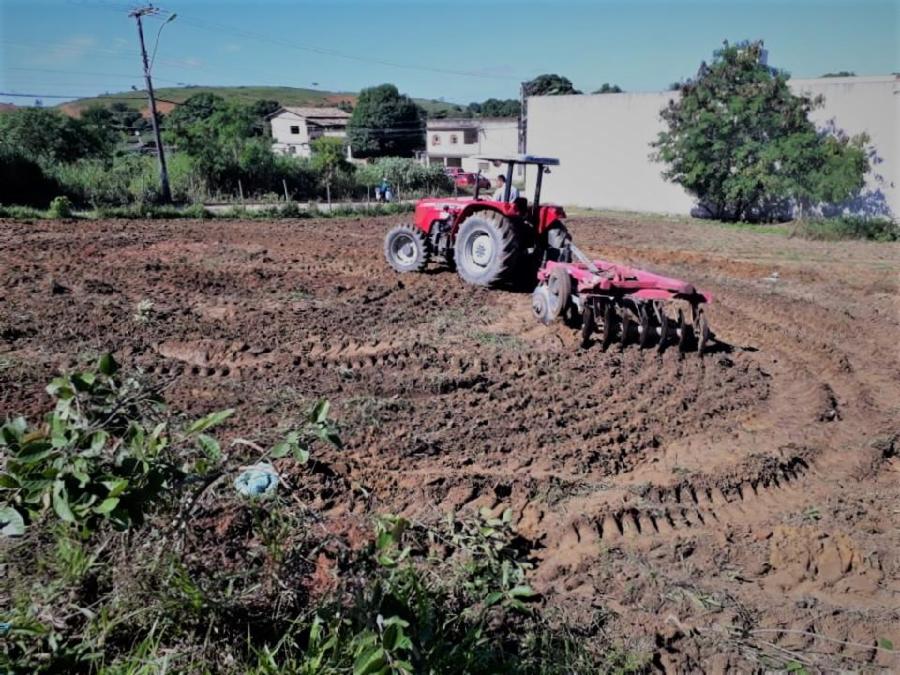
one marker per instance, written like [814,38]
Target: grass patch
[498,340]
[846,228]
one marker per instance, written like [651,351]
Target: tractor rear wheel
[406,248]
[487,249]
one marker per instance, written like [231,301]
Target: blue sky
[460,51]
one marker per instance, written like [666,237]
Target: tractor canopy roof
[521,159]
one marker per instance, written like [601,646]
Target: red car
[466,179]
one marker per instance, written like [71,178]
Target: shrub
[847,227]
[23,181]
[60,207]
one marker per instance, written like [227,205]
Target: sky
[458,51]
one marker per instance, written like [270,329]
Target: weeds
[847,227]
[130,551]
[498,340]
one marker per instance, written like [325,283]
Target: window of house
[470,136]
[454,139]
[435,140]
[295,130]
[484,167]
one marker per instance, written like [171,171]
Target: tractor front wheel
[487,249]
[406,248]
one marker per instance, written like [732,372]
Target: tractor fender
[507,210]
[549,216]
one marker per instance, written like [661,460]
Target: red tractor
[486,239]
[490,239]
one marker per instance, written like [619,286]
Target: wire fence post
[241,191]
[284,183]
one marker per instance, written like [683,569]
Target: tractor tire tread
[421,242]
[508,256]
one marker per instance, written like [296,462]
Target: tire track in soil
[624,452]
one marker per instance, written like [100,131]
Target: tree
[549,85]
[223,140]
[101,129]
[195,108]
[265,107]
[48,135]
[495,107]
[742,142]
[385,122]
[329,160]
[841,73]
[608,88]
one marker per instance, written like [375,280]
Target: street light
[158,33]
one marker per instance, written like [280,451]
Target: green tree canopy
[742,142]
[495,107]
[49,135]
[385,122]
[196,108]
[608,88]
[223,140]
[549,85]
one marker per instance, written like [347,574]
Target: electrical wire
[218,27]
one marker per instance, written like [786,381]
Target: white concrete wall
[603,143]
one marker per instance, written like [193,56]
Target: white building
[293,129]
[603,144]
[457,141]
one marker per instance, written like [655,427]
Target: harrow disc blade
[626,327]
[610,319]
[702,332]
[644,329]
[663,330]
[588,324]
[559,288]
[685,333]
[540,304]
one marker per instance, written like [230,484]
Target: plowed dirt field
[732,511]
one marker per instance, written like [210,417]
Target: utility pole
[523,127]
[150,10]
[523,119]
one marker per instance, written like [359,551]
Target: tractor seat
[521,204]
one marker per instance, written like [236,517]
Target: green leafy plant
[97,458]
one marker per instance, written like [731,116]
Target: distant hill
[287,96]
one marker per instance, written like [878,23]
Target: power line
[86,72]
[210,25]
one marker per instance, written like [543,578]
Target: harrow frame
[620,301]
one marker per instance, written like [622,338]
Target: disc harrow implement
[624,305]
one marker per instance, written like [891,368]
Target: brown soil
[734,511]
